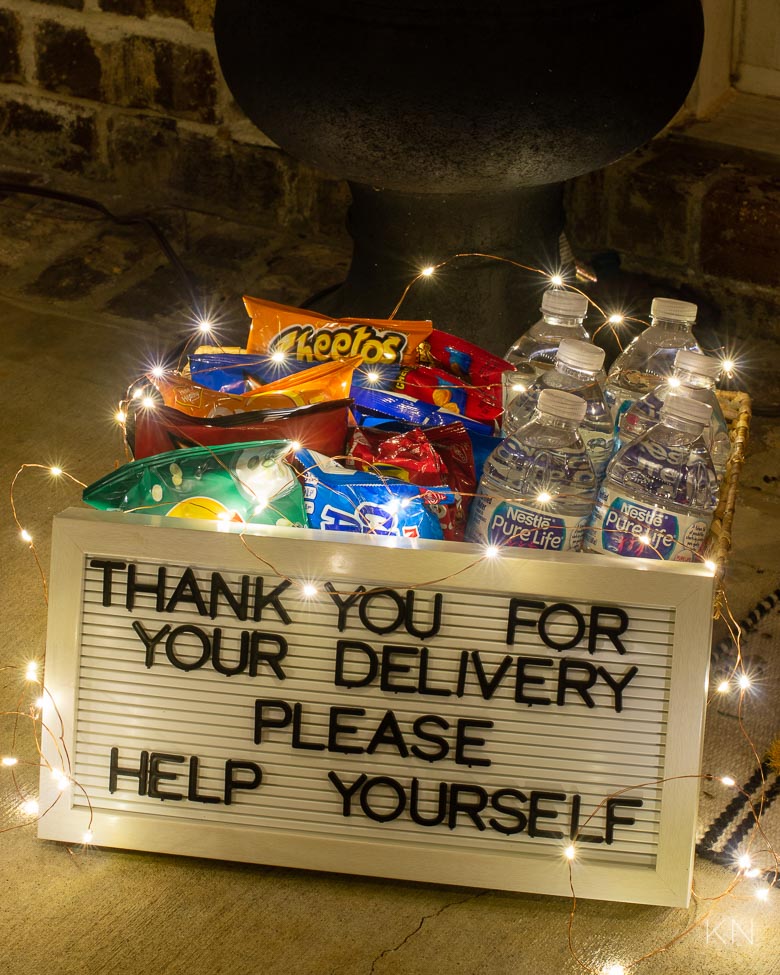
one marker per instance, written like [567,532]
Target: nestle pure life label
[498,522]
[619,523]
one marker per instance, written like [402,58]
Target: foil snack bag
[338,499]
[224,371]
[309,336]
[468,362]
[247,483]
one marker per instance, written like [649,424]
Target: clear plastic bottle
[577,365]
[660,491]
[563,313]
[694,375]
[538,486]
[649,358]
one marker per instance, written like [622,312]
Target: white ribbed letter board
[408,710]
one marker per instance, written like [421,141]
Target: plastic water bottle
[660,491]
[649,358]
[694,375]
[563,313]
[577,365]
[538,486]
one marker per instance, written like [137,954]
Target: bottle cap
[570,304]
[676,311]
[687,408]
[698,363]
[565,406]
[580,355]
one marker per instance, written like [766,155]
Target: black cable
[190,288]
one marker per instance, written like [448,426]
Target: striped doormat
[727,826]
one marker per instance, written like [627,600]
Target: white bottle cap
[688,409]
[580,355]
[698,363]
[676,311]
[566,406]
[570,304]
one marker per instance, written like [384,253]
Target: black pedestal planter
[455,123]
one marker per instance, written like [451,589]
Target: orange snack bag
[327,382]
[312,337]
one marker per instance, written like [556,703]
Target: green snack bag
[245,483]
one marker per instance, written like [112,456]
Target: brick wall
[703,217]
[130,92]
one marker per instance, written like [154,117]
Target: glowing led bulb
[60,779]
[88,836]
[205,326]
[137,393]
[762,893]
[727,780]
[309,590]
[556,280]
[615,970]
[744,862]
[710,565]
[29,807]
[673,382]
[570,853]
[55,471]
[492,552]
[744,682]
[728,365]
[120,416]
[296,445]
[147,402]
[32,671]
[752,873]
[38,703]
[644,539]
[616,319]
[25,535]
[544,497]
[9,760]
[372,377]
[427,271]
[158,372]
[278,356]
[518,388]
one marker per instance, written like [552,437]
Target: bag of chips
[338,499]
[448,393]
[468,362]
[245,483]
[325,383]
[312,337]
[398,407]
[225,372]
[321,426]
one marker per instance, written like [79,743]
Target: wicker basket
[737,410]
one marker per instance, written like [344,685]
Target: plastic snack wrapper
[400,408]
[338,499]
[327,382]
[468,362]
[438,457]
[448,393]
[312,337]
[246,483]
[224,372]
[320,426]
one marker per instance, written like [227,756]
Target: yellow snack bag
[311,337]
[325,383]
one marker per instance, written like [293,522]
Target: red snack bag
[320,426]
[439,387]
[466,361]
[407,456]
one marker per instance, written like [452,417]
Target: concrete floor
[101,911]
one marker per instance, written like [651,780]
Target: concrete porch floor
[70,347]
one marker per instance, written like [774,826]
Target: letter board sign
[376,706]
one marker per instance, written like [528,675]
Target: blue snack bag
[338,499]
[404,409]
[483,447]
[225,371]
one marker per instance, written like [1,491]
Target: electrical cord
[187,282]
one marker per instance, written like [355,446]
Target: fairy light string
[737,678]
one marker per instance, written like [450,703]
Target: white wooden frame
[686,588]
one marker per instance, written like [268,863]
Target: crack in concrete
[423,919]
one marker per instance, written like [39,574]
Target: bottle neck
[557,422]
[695,379]
[585,376]
[670,325]
[565,320]
[689,428]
